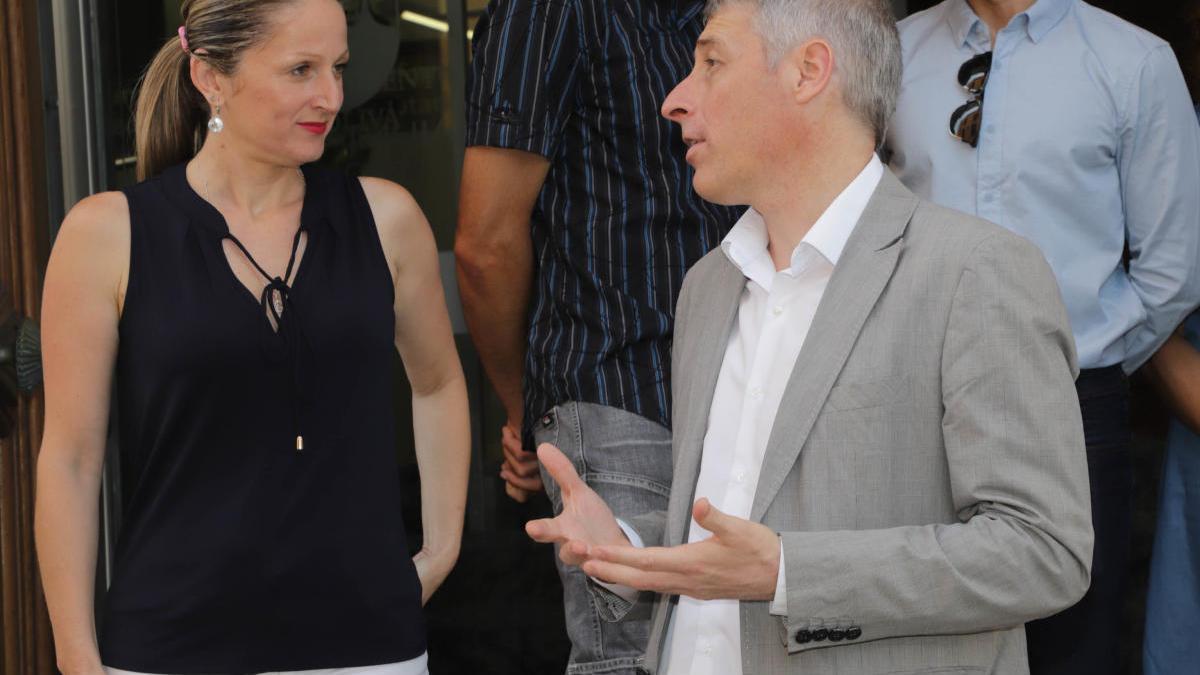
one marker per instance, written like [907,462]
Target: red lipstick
[316,128]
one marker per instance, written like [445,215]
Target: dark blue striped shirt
[617,223]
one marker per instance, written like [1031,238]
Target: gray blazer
[926,471]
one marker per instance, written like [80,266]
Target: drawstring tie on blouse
[276,301]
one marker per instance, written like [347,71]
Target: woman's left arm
[441,421]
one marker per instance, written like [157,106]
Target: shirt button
[991,129]
[756,393]
[740,477]
[778,311]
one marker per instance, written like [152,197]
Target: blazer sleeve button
[836,635]
[820,635]
[804,636]
[853,633]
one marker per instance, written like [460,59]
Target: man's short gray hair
[864,39]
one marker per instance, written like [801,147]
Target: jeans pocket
[625,458]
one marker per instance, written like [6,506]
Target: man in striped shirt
[577,223]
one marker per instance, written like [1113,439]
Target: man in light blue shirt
[1073,129]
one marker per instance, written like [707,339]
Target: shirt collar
[1045,15]
[1038,19]
[963,21]
[746,244]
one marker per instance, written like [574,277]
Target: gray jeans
[626,459]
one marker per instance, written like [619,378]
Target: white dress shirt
[774,315]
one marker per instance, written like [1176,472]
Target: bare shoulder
[91,250]
[98,227]
[401,223]
[103,215]
[392,205]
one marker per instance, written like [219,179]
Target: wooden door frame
[26,644]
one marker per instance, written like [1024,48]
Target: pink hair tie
[183,39]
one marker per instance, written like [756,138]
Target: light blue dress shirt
[1089,142]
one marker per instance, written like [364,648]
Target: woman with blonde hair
[249,307]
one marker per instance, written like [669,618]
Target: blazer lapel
[718,294]
[715,310]
[862,272]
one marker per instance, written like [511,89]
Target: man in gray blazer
[878,456]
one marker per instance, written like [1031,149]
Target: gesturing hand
[585,520]
[740,560]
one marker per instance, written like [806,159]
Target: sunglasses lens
[964,123]
[975,82]
[977,65]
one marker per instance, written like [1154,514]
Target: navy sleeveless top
[240,553]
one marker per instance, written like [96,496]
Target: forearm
[1162,316]
[495,286]
[1175,370]
[1164,278]
[992,572]
[441,429]
[66,529]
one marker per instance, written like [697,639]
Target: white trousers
[417,666]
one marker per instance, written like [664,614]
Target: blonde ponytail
[170,113]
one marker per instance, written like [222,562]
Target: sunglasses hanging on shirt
[967,119]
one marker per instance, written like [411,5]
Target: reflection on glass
[396,122]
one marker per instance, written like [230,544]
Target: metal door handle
[20,364]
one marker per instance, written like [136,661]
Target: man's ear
[810,67]
[207,80]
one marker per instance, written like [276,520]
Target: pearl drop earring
[216,125]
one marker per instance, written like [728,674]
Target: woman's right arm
[81,305]
[1175,370]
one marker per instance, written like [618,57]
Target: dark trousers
[1086,638]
